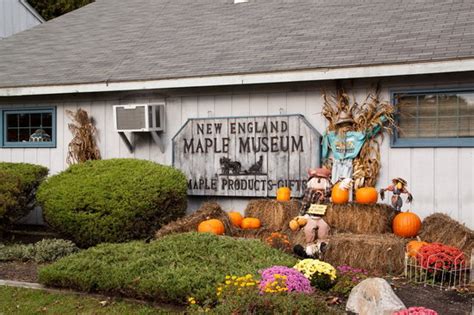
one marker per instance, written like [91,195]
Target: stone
[374,296]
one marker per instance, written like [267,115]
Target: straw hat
[319,172]
[400,180]
[344,117]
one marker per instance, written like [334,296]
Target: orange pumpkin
[406,224]
[339,195]
[235,218]
[250,223]
[413,247]
[366,195]
[213,226]
[283,194]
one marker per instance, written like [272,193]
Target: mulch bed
[443,301]
[19,271]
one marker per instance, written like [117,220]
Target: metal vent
[130,118]
[139,118]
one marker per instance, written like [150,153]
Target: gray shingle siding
[132,40]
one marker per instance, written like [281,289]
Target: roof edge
[321,74]
[32,11]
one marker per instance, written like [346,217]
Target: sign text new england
[249,156]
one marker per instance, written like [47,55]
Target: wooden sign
[317,209]
[246,156]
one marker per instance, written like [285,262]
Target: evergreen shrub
[112,200]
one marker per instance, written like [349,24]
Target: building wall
[441,179]
[15,17]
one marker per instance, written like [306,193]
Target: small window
[29,128]
[434,119]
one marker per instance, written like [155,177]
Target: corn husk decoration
[366,116]
[83,146]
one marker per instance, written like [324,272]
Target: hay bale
[440,228]
[360,219]
[273,214]
[374,252]
[261,233]
[208,210]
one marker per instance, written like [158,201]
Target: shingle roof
[113,41]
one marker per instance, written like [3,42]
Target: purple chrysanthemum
[295,280]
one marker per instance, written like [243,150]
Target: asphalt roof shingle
[133,40]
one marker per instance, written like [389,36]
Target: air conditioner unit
[139,117]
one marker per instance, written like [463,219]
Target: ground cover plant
[112,200]
[47,250]
[18,184]
[26,301]
[170,269]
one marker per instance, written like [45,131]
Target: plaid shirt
[311,196]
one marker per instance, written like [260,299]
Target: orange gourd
[406,224]
[235,218]
[413,247]
[250,223]
[213,226]
[294,226]
[283,194]
[366,195]
[339,195]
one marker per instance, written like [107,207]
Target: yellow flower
[227,277]
[234,277]
[227,282]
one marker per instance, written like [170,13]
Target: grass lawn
[27,301]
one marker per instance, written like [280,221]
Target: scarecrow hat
[344,117]
[319,172]
[400,180]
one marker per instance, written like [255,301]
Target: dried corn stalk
[83,146]
[366,117]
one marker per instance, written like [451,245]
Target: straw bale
[208,210]
[261,233]
[274,215]
[441,228]
[374,252]
[360,219]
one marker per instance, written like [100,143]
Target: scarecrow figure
[397,188]
[346,144]
[353,135]
[318,192]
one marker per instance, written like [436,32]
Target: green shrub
[112,200]
[249,302]
[46,250]
[18,185]
[169,269]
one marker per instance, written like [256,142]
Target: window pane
[24,120]
[12,135]
[24,134]
[466,112]
[12,120]
[35,120]
[47,120]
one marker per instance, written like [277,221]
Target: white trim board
[462,65]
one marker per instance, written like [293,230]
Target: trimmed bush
[46,250]
[112,200]
[170,269]
[268,304]
[18,185]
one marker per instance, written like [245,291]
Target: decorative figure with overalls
[353,135]
[316,230]
[398,187]
[345,144]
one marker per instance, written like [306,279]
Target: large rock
[374,296]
